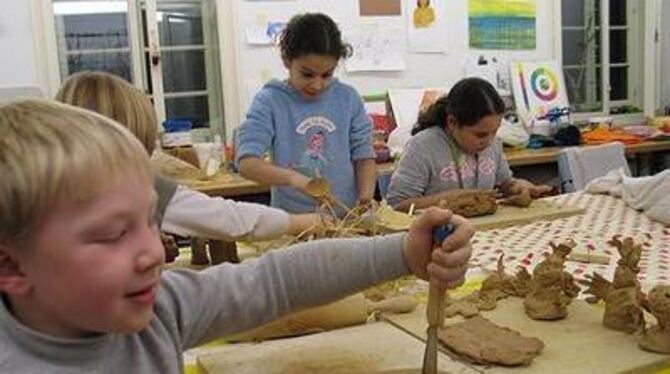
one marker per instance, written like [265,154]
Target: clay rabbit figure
[623,296]
[551,288]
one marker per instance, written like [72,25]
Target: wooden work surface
[577,344]
[377,347]
[505,216]
[232,185]
[235,185]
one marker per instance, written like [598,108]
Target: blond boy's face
[95,266]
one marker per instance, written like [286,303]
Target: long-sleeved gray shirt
[429,166]
[195,307]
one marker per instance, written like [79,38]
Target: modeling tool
[435,309]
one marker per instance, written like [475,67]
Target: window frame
[47,56]
[643,20]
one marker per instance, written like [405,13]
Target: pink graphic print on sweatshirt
[450,172]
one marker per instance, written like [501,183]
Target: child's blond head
[51,153]
[114,98]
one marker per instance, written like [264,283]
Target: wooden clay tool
[435,309]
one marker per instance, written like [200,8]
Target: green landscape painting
[502,24]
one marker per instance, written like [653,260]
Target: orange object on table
[603,135]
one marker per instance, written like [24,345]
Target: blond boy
[181,210]
[81,259]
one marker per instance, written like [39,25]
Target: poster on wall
[538,87]
[502,24]
[375,49]
[379,7]
[426,26]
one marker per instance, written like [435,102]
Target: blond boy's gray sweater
[195,307]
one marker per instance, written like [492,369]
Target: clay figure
[496,286]
[623,296]
[657,338]
[551,288]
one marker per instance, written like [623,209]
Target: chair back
[577,166]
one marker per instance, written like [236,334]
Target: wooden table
[236,185]
[577,344]
[523,157]
[377,347]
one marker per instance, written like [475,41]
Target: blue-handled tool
[435,308]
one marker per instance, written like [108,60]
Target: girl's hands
[449,261]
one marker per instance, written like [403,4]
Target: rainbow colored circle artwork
[544,84]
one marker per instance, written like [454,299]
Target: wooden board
[504,216]
[577,344]
[511,215]
[374,348]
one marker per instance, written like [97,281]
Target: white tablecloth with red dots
[605,217]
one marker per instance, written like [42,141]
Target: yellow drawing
[424,14]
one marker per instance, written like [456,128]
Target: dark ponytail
[470,100]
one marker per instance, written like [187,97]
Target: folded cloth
[609,184]
[603,135]
[649,194]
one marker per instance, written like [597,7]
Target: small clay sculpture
[522,199]
[496,286]
[623,296]
[484,342]
[657,338]
[471,203]
[551,288]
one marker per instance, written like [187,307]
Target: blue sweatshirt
[321,137]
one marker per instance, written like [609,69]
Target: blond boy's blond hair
[114,98]
[51,153]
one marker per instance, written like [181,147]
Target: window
[167,47]
[594,45]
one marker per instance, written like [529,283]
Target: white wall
[18,65]
[256,64]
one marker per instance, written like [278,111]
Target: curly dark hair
[312,33]
[470,100]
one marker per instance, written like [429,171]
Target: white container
[176,139]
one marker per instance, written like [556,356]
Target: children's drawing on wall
[375,49]
[266,33]
[502,24]
[494,69]
[426,26]
[538,88]
[424,14]
[379,7]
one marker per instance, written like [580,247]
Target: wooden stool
[220,251]
[199,252]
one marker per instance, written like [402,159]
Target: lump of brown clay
[657,338]
[623,296]
[551,288]
[471,203]
[484,342]
[522,199]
